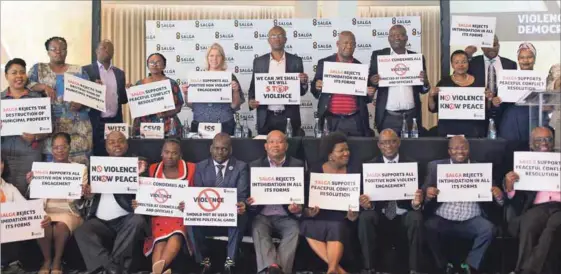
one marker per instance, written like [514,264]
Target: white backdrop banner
[184,44]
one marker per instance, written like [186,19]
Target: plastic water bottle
[317,130]
[325,130]
[172,132]
[238,130]
[288,130]
[186,129]
[245,129]
[404,129]
[492,132]
[414,129]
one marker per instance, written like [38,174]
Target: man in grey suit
[282,219]
[222,170]
[273,117]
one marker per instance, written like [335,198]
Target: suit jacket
[93,71]
[519,204]
[235,176]
[264,162]
[382,98]
[403,204]
[325,98]
[293,65]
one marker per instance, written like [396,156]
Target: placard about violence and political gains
[120,127]
[209,87]
[85,92]
[277,185]
[464,182]
[150,98]
[345,78]
[56,181]
[277,89]
[472,31]
[31,115]
[538,171]
[513,84]
[400,70]
[461,103]
[118,175]
[210,206]
[335,191]
[21,221]
[160,197]
[390,182]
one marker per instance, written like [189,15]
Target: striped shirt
[342,103]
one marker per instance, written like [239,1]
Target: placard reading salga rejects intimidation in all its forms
[56,181]
[513,84]
[118,175]
[345,78]
[277,89]
[150,98]
[160,197]
[464,182]
[461,103]
[210,206]
[277,185]
[472,30]
[390,182]
[538,171]
[22,221]
[31,115]
[85,92]
[209,87]
[335,191]
[400,70]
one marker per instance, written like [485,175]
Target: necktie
[492,77]
[219,176]
[391,207]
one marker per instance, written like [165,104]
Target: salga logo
[201,47]
[243,70]
[243,47]
[181,81]
[150,37]
[199,68]
[307,127]
[306,104]
[165,25]
[380,34]
[255,55]
[185,36]
[364,46]
[230,59]
[315,114]
[322,46]
[243,24]
[260,35]
[361,22]
[315,67]
[165,48]
[416,32]
[285,23]
[302,34]
[321,22]
[335,33]
[288,47]
[223,35]
[247,116]
[306,58]
[204,24]
[185,59]
[400,21]
[169,72]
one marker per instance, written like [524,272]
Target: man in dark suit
[457,219]
[103,72]
[393,103]
[273,117]
[386,217]
[111,218]
[222,170]
[538,217]
[345,113]
[282,219]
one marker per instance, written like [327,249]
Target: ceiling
[266,3]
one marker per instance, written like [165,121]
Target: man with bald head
[538,216]
[394,103]
[274,117]
[345,113]
[111,219]
[457,219]
[103,72]
[222,170]
[386,217]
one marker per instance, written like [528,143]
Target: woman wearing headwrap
[554,85]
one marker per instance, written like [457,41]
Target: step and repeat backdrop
[185,43]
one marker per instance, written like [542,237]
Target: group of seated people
[106,228]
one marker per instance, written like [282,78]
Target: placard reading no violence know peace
[461,103]
[118,175]
[150,98]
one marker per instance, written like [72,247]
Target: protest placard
[150,98]
[209,130]
[464,182]
[514,84]
[31,115]
[56,181]
[345,78]
[277,89]
[120,127]
[538,171]
[209,87]
[461,103]
[22,221]
[277,185]
[114,174]
[84,92]
[400,70]
[390,182]
[160,197]
[334,191]
[210,206]
[472,31]
[152,131]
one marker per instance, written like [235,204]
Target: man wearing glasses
[274,117]
[538,220]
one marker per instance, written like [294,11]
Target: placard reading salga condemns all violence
[150,98]
[400,70]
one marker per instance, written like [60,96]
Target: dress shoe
[416,272]
[205,266]
[368,271]
[274,269]
[229,266]
[158,267]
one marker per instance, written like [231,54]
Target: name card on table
[400,70]
[538,171]
[277,185]
[464,182]
[390,182]
[85,92]
[116,175]
[31,115]
[160,197]
[345,78]
[210,206]
[277,89]
[150,98]
[335,191]
[461,103]
[152,131]
[56,181]
[209,87]
[209,130]
[120,127]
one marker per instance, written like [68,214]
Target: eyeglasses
[57,49]
[117,142]
[60,148]
[276,36]
[155,63]
[543,140]
[387,142]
